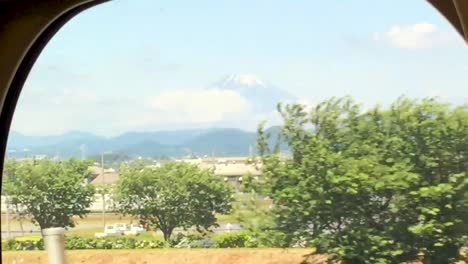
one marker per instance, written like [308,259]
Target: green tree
[436,143]
[49,192]
[175,195]
[373,187]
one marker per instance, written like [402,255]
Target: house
[231,169]
[234,173]
[109,177]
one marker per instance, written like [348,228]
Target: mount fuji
[263,95]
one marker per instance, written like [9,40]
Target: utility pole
[103,192]
[7,216]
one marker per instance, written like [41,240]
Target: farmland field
[169,256]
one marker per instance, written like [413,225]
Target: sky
[146,65]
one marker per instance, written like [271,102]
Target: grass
[150,236]
[84,232]
[30,238]
[169,256]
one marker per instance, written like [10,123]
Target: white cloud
[74,97]
[52,112]
[418,36]
[200,106]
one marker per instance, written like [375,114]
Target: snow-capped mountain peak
[263,95]
[244,80]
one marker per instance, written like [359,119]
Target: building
[234,173]
[231,169]
[109,177]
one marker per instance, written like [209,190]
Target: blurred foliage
[379,186]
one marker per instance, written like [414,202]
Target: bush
[203,243]
[111,243]
[234,240]
[248,239]
[191,241]
[245,239]
[15,245]
[272,239]
[76,242]
[175,240]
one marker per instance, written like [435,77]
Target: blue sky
[152,65]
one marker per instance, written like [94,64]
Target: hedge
[243,239]
[76,242]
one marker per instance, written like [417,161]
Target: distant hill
[177,143]
[225,142]
[262,95]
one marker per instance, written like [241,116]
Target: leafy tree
[175,195]
[436,143]
[373,187]
[49,192]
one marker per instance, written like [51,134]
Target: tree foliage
[379,186]
[175,195]
[49,192]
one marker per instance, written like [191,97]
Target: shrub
[175,240]
[249,239]
[76,242]
[191,241]
[233,240]
[203,243]
[271,239]
[16,245]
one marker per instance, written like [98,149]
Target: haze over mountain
[177,143]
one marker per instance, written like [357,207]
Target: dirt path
[167,256]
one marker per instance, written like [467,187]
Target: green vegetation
[22,245]
[375,186]
[253,213]
[76,242]
[29,238]
[380,186]
[224,240]
[49,192]
[175,195]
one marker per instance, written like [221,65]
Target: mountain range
[176,143]
[261,94]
